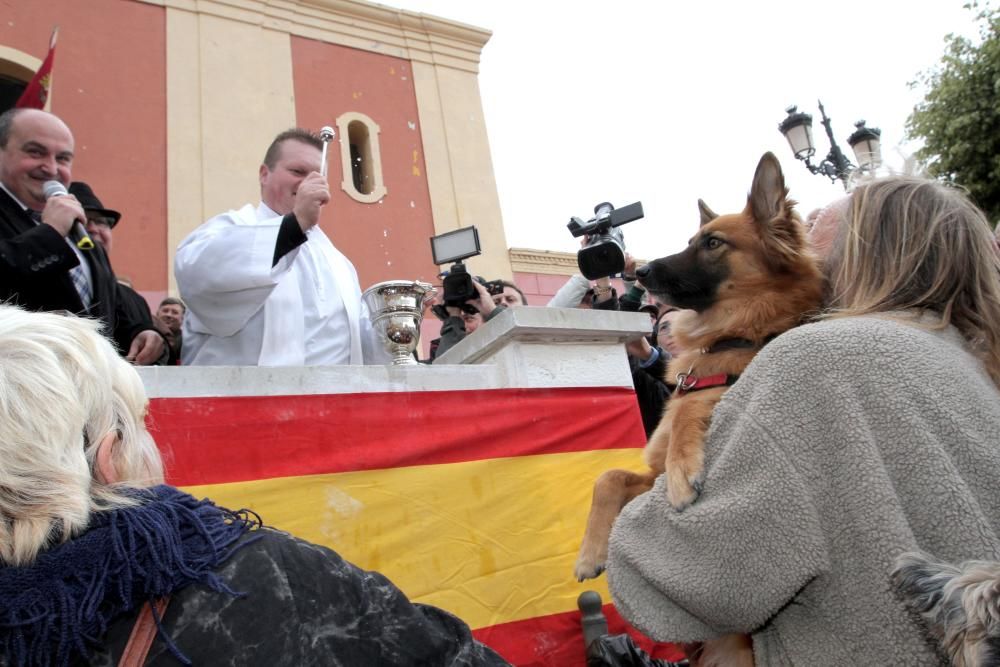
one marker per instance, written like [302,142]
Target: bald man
[41,267]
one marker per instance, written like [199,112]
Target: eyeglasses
[101,220]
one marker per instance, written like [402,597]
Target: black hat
[90,202]
[649,308]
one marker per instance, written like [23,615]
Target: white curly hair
[63,388]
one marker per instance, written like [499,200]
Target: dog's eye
[712,243]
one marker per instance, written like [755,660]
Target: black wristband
[290,237]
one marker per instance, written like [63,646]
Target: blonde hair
[917,244]
[63,388]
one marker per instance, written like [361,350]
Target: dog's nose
[642,271]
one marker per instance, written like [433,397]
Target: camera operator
[605,296]
[648,356]
[572,293]
[511,295]
[460,321]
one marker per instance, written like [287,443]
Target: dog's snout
[642,271]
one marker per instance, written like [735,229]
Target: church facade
[173,103]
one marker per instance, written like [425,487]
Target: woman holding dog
[871,432]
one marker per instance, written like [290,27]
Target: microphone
[57,189]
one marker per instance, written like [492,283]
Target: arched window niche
[360,158]
[16,70]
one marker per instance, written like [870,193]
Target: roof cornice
[356,24]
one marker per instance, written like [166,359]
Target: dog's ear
[767,194]
[768,205]
[707,214]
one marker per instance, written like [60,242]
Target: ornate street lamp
[865,142]
[797,128]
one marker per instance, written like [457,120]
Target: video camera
[457,284]
[604,254]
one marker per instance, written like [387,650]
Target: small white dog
[960,604]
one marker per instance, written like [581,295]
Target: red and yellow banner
[473,501]
[36,93]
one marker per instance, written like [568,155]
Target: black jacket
[453,332]
[304,605]
[651,391]
[34,273]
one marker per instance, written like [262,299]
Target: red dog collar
[687,382]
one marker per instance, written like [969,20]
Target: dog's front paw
[682,489]
[589,566]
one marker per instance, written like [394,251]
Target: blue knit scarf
[55,610]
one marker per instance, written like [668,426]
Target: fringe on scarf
[55,610]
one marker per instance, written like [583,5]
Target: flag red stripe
[557,640]
[36,92]
[232,439]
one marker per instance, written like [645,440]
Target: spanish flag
[472,501]
[37,92]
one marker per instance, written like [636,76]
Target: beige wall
[225,79]
[459,166]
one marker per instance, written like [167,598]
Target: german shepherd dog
[960,605]
[743,279]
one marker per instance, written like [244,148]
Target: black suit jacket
[34,273]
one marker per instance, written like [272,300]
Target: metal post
[835,157]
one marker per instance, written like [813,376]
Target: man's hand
[147,348]
[61,212]
[602,290]
[639,348]
[311,196]
[484,304]
[629,271]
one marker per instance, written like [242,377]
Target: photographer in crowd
[648,359]
[511,295]
[571,294]
[460,321]
[601,255]
[648,356]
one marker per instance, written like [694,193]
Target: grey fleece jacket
[844,444]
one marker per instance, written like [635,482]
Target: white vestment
[306,310]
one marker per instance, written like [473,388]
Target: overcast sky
[666,102]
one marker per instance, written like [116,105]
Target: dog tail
[960,604]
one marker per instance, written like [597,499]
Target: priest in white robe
[264,286]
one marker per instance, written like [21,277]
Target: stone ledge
[356,24]
[542,325]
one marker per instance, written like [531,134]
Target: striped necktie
[77,274]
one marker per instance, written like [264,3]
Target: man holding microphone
[45,262]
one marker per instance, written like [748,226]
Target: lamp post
[797,128]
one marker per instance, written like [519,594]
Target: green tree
[959,118]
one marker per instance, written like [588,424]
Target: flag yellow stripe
[492,541]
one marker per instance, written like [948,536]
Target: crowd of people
[868,433]
[260,285]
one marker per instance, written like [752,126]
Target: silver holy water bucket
[397,309]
